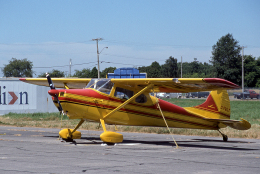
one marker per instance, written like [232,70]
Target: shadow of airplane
[192,143]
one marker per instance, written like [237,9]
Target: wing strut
[128,101]
[158,106]
[113,137]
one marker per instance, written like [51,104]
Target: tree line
[226,63]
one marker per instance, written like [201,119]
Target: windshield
[102,85]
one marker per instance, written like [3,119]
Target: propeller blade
[53,87]
[58,101]
[50,81]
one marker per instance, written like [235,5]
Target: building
[19,97]
[126,73]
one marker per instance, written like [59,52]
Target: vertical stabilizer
[216,106]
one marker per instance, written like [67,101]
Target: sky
[137,32]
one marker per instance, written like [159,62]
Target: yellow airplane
[128,102]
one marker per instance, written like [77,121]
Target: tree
[226,59]
[252,71]
[94,73]
[107,70]
[53,73]
[258,72]
[85,73]
[170,68]
[154,70]
[143,69]
[18,68]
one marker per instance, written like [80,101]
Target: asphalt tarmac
[38,150]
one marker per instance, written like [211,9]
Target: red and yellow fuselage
[90,104]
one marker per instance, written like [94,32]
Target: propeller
[54,94]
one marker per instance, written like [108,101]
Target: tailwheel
[225,137]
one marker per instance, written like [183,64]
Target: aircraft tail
[217,106]
[217,109]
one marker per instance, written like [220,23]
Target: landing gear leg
[225,137]
[110,137]
[70,134]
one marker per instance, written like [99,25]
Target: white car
[160,95]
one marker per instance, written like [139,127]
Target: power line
[56,43]
[65,65]
[121,63]
[129,57]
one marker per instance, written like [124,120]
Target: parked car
[173,95]
[247,94]
[160,95]
[197,94]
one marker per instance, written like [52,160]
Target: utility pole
[243,69]
[70,68]
[97,39]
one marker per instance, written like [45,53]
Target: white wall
[19,97]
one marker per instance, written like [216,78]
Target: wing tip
[221,82]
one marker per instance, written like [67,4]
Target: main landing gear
[225,137]
[107,136]
[70,134]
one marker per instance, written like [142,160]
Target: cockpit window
[123,93]
[102,85]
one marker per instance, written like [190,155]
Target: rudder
[217,106]
[218,101]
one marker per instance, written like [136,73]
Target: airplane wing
[72,83]
[178,85]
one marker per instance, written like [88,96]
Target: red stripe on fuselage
[165,106]
[62,99]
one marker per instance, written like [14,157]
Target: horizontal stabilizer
[235,124]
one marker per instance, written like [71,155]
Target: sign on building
[19,97]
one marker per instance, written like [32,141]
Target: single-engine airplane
[128,102]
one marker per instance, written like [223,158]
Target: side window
[123,93]
[141,99]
